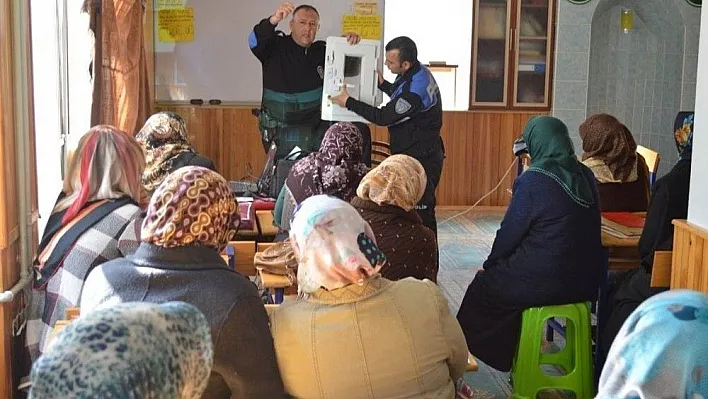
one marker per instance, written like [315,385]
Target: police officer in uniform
[413,116]
[293,73]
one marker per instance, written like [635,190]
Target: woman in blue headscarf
[130,350]
[669,201]
[547,251]
[661,350]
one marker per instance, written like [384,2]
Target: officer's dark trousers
[433,165]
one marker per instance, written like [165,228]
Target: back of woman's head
[342,142]
[130,350]
[605,136]
[333,244]
[106,164]
[661,350]
[192,206]
[399,180]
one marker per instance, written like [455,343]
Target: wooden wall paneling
[478,148]
[689,268]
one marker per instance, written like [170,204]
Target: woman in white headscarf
[354,331]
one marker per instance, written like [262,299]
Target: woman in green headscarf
[546,252]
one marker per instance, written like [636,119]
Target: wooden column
[689,266]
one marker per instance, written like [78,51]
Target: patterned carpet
[465,238]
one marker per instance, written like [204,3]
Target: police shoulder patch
[402,106]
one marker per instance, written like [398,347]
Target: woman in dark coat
[167,148]
[190,219]
[386,199]
[611,153]
[669,201]
[547,252]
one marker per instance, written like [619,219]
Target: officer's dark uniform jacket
[413,116]
[414,119]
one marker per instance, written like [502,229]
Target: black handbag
[282,169]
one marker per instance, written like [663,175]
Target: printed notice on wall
[165,4]
[365,7]
[176,25]
[366,26]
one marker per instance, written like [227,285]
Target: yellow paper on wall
[366,26]
[165,4]
[176,25]
[365,7]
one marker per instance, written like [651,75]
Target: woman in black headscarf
[669,201]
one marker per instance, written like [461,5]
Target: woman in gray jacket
[192,215]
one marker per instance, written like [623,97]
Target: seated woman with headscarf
[661,350]
[336,170]
[93,221]
[669,201]
[621,174]
[190,219]
[167,148]
[386,199]
[546,252]
[354,333]
[132,350]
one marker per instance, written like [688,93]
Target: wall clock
[695,3]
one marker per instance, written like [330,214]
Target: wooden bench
[241,254]
[265,222]
[69,315]
[661,269]
[275,283]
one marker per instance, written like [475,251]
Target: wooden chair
[379,151]
[652,158]
[661,269]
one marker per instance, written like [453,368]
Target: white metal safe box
[353,66]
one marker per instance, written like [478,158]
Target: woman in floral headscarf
[386,199]
[353,332]
[661,350]
[669,201]
[191,217]
[336,169]
[131,350]
[167,148]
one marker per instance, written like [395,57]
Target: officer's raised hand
[353,38]
[380,75]
[281,13]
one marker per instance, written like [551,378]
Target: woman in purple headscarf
[335,170]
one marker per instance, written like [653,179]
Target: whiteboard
[218,64]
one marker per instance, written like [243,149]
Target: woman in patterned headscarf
[386,199]
[669,201]
[353,329]
[611,153]
[167,148]
[336,169]
[191,217]
[661,350]
[95,219]
[131,350]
